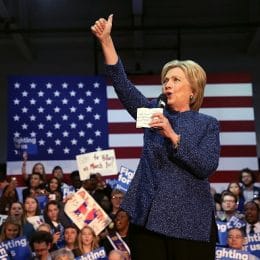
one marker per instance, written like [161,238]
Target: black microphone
[162,101]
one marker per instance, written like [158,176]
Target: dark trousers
[147,245]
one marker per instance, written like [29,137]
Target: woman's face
[53,212]
[87,237]
[58,174]
[121,220]
[16,210]
[38,168]
[11,231]
[70,235]
[234,188]
[54,184]
[177,89]
[35,181]
[235,239]
[30,205]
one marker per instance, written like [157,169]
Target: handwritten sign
[103,162]
[144,116]
[83,210]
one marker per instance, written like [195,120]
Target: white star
[32,134]
[72,93]
[74,141]
[49,134]
[64,101]
[40,93]
[97,133]
[89,125]
[56,109]
[40,109]
[65,85]
[48,101]
[50,150]
[80,117]
[57,141]
[90,141]
[81,133]
[16,134]
[98,149]
[56,93]
[73,109]
[40,126]
[33,85]
[57,126]
[89,109]
[24,126]
[41,142]
[80,85]
[32,101]
[16,101]
[82,150]
[24,109]
[96,85]
[24,93]
[97,116]
[96,100]
[16,85]
[66,150]
[65,134]
[32,117]
[73,125]
[65,117]
[49,85]
[88,93]
[16,118]
[81,101]
[48,118]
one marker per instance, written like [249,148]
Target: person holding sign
[169,197]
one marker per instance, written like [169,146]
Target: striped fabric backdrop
[228,97]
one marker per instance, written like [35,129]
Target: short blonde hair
[195,75]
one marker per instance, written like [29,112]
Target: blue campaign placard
[253,244]
[124,178]
[96,254]
[18,248]
[222,233]
[229,254]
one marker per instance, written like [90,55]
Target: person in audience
[229,207]
[37,167]
[257,201]
[169,197]
[249,190]
[35,187]
[11,229]
[236,189]
[71,237]
[252,214]
[63,254]
[9,195]
[31,207]
[117,255]
[75,180]
[116,200]
[236,238]
[17,211]
[54,215]
[87,240]
[54,189]
[44,227]
[41,243]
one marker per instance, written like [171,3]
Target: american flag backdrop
[56,118]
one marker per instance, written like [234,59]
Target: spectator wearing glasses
[116,200]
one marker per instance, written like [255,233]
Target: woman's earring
[191,97]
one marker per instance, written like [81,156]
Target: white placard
[144,116]
[103,162]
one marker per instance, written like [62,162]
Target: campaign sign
[235,222]
[124,178]
[4,254]
[18,248]
[26,144]
[3,218]
[36,221]
[103,162]
[222,233]
[229,253]
[253,244]
[97,254]
[42,200]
